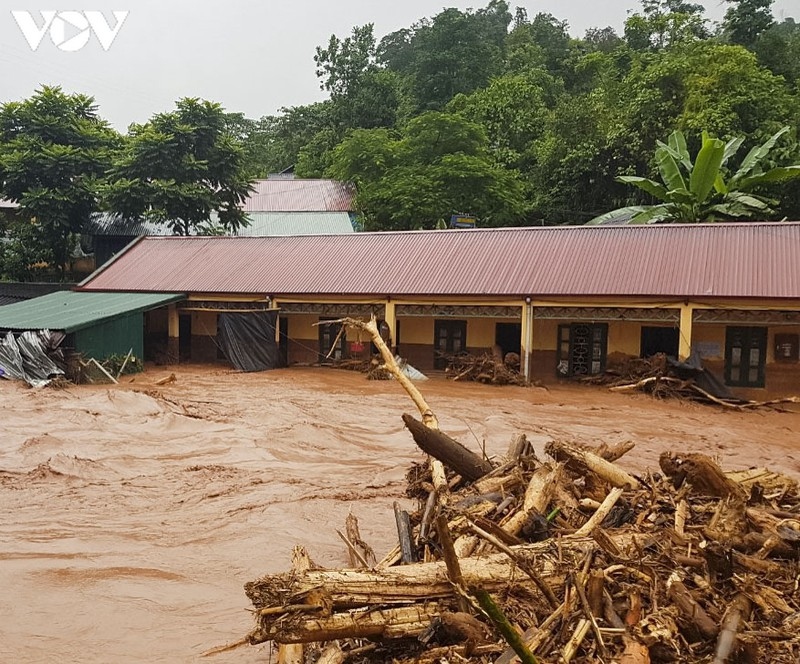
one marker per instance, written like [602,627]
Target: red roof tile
[298,195]
[714,260]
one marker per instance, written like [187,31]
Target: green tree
[746,20]
[437,167]
[54,153]
[180,168]
[703,189]
[512,111]
[778,49]
[28,252]
[344,62]
[664,23]
[454,52]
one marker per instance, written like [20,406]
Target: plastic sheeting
[692,368]
[248,339]
[28,357]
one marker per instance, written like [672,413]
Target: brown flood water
[130,517]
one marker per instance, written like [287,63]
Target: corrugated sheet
[261,223]
[107,224]
[715,260]
[297,223]
[70,311]
[299,195]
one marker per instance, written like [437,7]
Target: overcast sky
[251,56]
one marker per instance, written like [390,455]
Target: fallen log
[450,452]
[702,473]
[344,589]
[583,461]
[405,621]
[737,612]
[538,495]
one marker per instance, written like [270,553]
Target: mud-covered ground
[130,517]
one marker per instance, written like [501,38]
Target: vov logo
[69,30]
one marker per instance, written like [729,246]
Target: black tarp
[248,339]
[692,368]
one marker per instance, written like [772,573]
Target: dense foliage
[484,112]
[560,118]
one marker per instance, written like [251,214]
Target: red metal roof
[709,260]
[298,195]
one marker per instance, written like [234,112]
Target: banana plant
[698,191]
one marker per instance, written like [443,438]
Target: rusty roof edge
[109,263]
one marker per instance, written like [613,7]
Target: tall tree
[180,168]
[438,167]
[663,23]
[778,49]
[746,20]
[454,52]
[54,153]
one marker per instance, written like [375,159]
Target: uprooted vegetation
[569,558]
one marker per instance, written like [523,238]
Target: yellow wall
[417,330]
[204,323]
[480,331]
[545,334]
[705,334]
[301,326]
[624,337]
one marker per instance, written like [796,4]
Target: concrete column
[685,332]
[273,304]
[173,334]
[526,342]
[390,316]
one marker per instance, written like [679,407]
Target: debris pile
[486,368]
[584,561]
[664,377]
[33,356]
[569,558]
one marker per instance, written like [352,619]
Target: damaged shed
[95,324]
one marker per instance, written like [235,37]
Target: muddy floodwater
[130,517]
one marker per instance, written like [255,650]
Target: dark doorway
[449,338]
[745,356]
[507,336]
[327,335]
[659,340]
[185,337]
[582,349]
[283,341]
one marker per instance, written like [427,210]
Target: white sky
[251,56]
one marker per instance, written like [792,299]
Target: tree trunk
[450,452]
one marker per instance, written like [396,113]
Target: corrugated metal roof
[300,195]
[70,310]
[104,223]
[699,260]
[297,223]
[261,223]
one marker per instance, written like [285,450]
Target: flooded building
[565,298]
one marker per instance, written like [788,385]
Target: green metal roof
[70,311]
